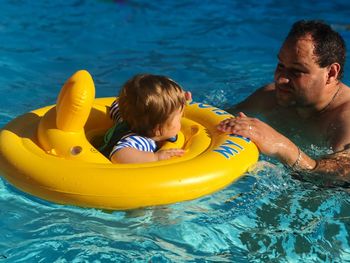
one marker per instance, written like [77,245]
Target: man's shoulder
[268,88]
[263,94]
[343,104]
[337,121]
[260,100]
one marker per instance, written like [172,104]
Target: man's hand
[269,141]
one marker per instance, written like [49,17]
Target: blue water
[221,51]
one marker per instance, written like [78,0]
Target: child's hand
[167,154]
[188,96]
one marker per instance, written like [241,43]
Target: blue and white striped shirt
[114,112]
[131,139]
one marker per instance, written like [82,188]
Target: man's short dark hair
[329,44]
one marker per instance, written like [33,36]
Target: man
[308,96]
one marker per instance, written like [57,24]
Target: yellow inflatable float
[52,153]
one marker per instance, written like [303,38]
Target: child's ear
[157,131]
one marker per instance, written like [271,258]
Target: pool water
[221,51]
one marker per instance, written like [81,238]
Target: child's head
[152,104]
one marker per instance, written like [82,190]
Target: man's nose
[281,78]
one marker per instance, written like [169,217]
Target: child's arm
[132,155]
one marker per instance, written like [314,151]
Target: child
[147,113]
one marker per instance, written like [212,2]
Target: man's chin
[285,100]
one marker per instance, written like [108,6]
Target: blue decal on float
[217,111]
[204,106]
[241,137]
[227,150]
[220,112]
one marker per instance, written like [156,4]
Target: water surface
[221,51]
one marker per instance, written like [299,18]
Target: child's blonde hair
[147,101]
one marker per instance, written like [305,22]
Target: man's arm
[337,164]
[334,167]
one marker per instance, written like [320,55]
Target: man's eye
[297,72]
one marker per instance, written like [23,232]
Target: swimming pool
[220,51]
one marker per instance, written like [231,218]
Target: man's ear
[333,72]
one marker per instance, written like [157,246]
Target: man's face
[299,79]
